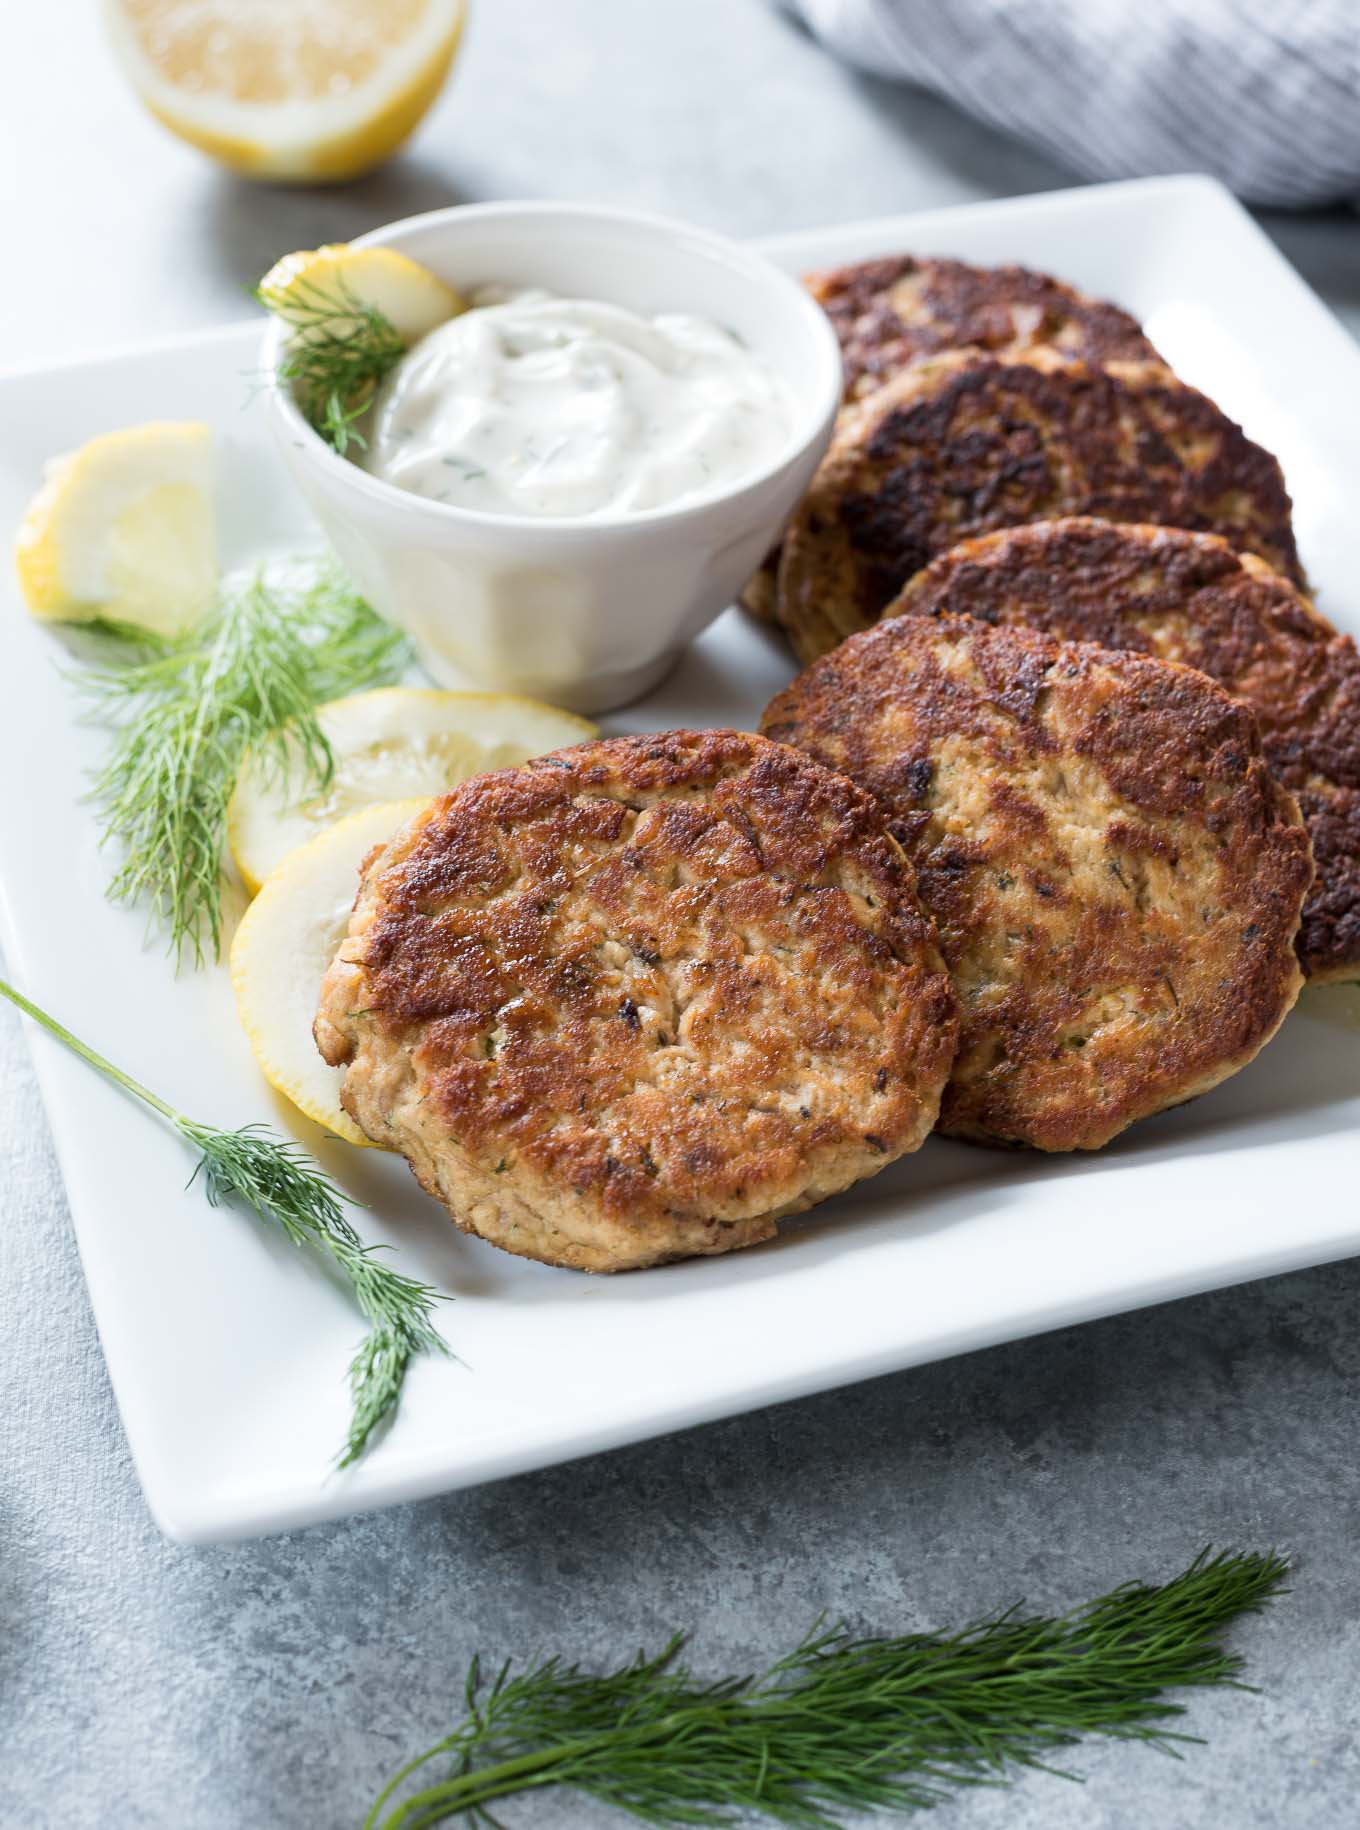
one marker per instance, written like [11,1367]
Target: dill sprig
[842,1724]
[340,350]
[280,1182]
[186,711]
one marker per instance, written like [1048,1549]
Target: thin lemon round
[389,745]
[290,91]
[124,528]
[287,938]
[408,295]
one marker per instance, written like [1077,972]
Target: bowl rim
[814,423]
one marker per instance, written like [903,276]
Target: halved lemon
[124,528]
[388,745]
[297,91]
[409,296]
[287,938]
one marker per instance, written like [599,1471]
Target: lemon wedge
[295,91]
[388,745]
[409,296]
[124,528]
[287,938]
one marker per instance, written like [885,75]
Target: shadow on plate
[712,686]
[1294,1089]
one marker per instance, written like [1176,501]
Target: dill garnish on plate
[279,1182]
[185,712]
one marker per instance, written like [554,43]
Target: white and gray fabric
[1264,94]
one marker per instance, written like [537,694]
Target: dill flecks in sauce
[531,404]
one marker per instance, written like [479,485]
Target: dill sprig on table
[280,1182]
[841,1724]
[339,352]
[186,710]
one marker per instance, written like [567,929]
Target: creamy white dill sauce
[531,404]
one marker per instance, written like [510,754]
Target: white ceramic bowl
[587,613]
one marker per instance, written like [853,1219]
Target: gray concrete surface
[272,1686]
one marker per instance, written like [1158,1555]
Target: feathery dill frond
[339,352]
[278,1181]
[841,1724]
[186,711]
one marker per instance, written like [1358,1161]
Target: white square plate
[227,1350]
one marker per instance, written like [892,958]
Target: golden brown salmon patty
[1191,598]
[964,445]
[1115,874]
[892,312]
[639,999]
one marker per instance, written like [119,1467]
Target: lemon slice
[296,91]
[124,528]
[387,745]
[408,295]
[287,938]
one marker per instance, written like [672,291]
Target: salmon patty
[1115,874]
[639,999]
[892,312]
[963,445]
[1190,598]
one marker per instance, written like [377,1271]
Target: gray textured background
[272,1686]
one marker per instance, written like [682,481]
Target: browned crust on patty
[892,312]
[961,446]
[638,999]
[1190,598]
[901,309]
[1115,874]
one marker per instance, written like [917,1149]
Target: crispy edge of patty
[757,596]
[1191,598]
[791,833]
[893,311]
[942,718]
[961,446]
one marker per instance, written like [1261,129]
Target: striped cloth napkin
[1265,94]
